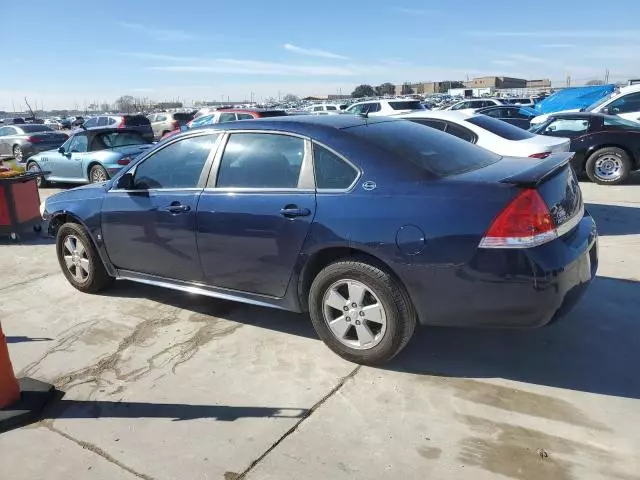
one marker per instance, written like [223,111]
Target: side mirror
[61,150]
[606,111]
[125,182]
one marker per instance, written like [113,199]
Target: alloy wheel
[608,167]
[76,258]
[98,175]
[17,153]
[354,313]
[35,169]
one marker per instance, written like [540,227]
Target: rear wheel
[33,167]
[361,311]
[17,153]
[79,259]
[97,174]
[608,166]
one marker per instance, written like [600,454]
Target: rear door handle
[178,208]
[293,211]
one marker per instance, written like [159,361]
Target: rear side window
[438,125]
[183,117]
[178,165]
[245,116]
[331,171]
[227,117]
[460,132]
[427,148]
[273,113]
[261,160]
[406,105]
[136,121]
[500,128]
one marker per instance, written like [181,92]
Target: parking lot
[163,385]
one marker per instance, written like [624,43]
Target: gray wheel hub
[354,314]
[608,167]
[76,258]
[98,175]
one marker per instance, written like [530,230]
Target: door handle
[178,208]
[293,211]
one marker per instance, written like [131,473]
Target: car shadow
[595,349]
[268,318]
[28,237]
[615,219]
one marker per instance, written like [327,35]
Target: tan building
[496,82]
[421,88]
[541,83]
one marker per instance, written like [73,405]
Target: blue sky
[73,52]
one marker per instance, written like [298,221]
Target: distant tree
[290,97]
[363,91]
[125,103]
[105,107]
[386,89]
[447,84]
[595,82]
[406,89]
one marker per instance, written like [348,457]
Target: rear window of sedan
[406,105]
[500,128]
[26,128]
[426,147]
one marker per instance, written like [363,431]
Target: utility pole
[606,76]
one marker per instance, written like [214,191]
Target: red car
[228,115]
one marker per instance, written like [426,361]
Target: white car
[624,102]
[385,107]
[474,103]
[324,107]
[490,133]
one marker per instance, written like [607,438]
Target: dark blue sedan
[368,224]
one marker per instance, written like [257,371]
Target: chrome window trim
[306,169]
[343,158]
[570,224]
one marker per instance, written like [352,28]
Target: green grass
[13,166]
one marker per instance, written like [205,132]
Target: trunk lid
[48,138]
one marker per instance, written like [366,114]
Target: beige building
[496,82]
[421,88]
[540,83]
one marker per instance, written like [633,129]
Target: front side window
[494,112]
[102,121]
[261,160]
[357,109]
[611,121]
[406,105]
[78,144]
[500,128]
[178,165]
[460,106]
[626,104]
[331,171]
[161,118]
[245,116]
[567,127]
[373,107]
[92,122]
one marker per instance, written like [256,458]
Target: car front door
[255,213]
[68,165]
[151,228]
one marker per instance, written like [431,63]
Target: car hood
[543,118]
[85,192]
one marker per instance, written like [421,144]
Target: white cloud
[503,62]
[160,34]
[314,52]
[255,67]
[583,34]
[525,58]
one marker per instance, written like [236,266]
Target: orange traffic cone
[9,387]
[21,401]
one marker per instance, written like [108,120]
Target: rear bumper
[512,288]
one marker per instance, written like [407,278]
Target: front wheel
[361,311]
[98,174]
[79,259]
[608,166]
[33,167]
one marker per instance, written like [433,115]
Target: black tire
[616,155]
[34,167]
[97,174]
[17,153]
[399,311]
[97,278]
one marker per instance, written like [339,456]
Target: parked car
[384,107]
[324,108]
[53,123]
[164,122]
[131,122]
[494,135]
[607,147]
[515,115]
[369,224]
[89,156]
[524,102]
[70,122]
[228,115]
[20,141]
[473,103]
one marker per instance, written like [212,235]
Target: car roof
[454,115]
[249,110]
[630,88]
[95,131]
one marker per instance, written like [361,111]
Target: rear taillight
[525,223]
[176,124]
[36,139]
[124,161]
[540,155]
[122,123]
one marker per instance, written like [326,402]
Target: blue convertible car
[370,225]
[89,156]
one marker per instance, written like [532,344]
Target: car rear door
[256,211]
[151,229]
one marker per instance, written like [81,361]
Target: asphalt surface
[164,385]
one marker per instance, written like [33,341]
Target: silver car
[165,122]
[22,141]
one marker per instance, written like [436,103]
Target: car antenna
[364,115]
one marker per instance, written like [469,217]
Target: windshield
[500,128]
[604,99]
[426,147]
[406,105]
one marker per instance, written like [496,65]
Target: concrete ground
[164,385]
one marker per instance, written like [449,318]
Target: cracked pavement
[163,385]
